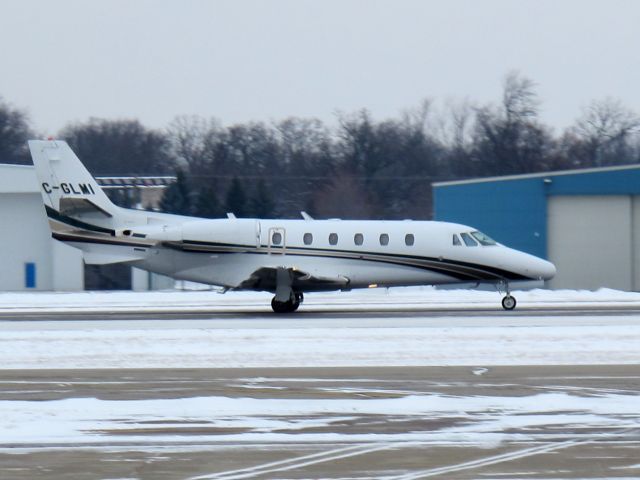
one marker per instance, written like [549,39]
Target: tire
[509,302]
[284,307]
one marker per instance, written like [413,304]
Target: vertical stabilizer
[66,185]
[79,212]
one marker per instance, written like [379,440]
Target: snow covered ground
[421,327]
[380,299]
[126,345]
[479,420]
[293,341]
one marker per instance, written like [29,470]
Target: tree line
[358,168]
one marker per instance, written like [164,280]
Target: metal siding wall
[25,238]
[590,241]
[635,241]
[68,267]
[142,280]
[513,212]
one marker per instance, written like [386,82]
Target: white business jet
[284,257]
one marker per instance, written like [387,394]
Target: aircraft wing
[264,278]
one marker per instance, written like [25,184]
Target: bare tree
[456,137]
[14,133]
[307,154]
[418,119]
[519,98]
[119,147]
[344,197]
[607,129]
[461,114]
[510,139]
[191,137]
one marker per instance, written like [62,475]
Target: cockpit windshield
[483,239]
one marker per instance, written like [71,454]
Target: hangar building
[30,259]
[587,222]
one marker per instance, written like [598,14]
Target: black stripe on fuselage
[75,238]
[463,271]
[57,216]
[455,268]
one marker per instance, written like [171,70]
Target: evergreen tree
[121,197]
[262,204]
[177,197]
[207,204]
[236,201]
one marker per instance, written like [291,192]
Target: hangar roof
[513,209]
[580,171]
[18,179]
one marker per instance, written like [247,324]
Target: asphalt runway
[453,422]
[306,314]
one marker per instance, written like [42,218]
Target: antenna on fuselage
[306,216]
[231,216]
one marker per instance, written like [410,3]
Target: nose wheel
[509,302]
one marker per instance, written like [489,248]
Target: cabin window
[384,239]
[358,239]
[409,239]
[333,239]
[468,241]
[276,238]
[456,240]
[307,238]
[485,240]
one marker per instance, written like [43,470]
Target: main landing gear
[286,299]
[290,305]
[508,301]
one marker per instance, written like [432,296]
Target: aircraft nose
[535,268]
[544,270]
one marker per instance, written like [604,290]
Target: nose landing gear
[508,301]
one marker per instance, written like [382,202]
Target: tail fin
[66,185]
[79,212]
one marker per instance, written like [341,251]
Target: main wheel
[509,302]
[284,307]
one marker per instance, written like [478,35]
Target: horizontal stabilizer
[74,207]
[106,258]
[98,250]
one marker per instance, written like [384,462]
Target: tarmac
[361,445]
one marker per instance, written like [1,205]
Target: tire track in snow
[507,457]
[297,462]
[347,452]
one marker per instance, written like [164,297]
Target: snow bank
[296,341]
[120,346]
[382,299]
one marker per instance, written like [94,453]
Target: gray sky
[240,60]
